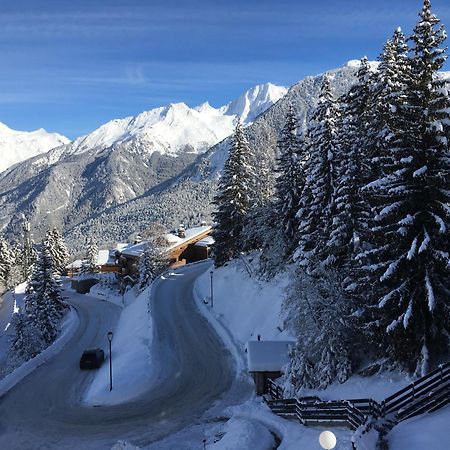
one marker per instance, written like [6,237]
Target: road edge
[70,325]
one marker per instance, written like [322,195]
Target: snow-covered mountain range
[177,128]
[121,160]
[17,146]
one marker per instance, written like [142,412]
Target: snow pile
[428,431]
[377,387]
[245,305]
[17,146]
[131,357]
[244,434]
[293,435]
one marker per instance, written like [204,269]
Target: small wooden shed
[266,360]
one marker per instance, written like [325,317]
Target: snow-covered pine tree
[257,221]
[58,250]
[351,211]
[90,263]
[44,303]
[28,255]
[152,263]
[317,198]
[410,258]
[6,263]
[289,183]
[155,258]
[387,96]
[26,343]
[319,315]
[233,200]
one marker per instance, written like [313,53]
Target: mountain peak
[255,101]
[17,146]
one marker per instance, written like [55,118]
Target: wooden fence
[426,394]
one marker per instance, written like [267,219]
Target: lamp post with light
[327,440]
[110,337]
[212,289]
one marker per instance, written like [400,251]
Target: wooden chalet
[184,247]
[189,246]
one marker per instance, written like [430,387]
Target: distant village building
[184,246]
[266,360]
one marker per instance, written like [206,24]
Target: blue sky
[69,66]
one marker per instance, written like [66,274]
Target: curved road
[194,369]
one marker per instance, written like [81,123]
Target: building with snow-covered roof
[266,360]
[181,249]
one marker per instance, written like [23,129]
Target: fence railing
[427,394]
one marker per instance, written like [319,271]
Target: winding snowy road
[194,369]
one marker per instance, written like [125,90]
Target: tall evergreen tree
[351,213]
[6,263]
[317,199]
[28,255]
[410,257]
[90,263]
[44,303]
[58,250]
[289,183]
[234,200]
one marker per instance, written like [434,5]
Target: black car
[92,358]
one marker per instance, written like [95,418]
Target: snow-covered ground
[243,304]
[131,353]
[245,307]
[426,432]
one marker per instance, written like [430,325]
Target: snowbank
[68,328]
[131,357]
[293,435]
[428,431]
[245,305]
[244,434]
[377,387]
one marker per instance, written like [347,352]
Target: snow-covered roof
[205,242]
[106,257]
[267,356]
[75,264]
[135,250]
[190,233]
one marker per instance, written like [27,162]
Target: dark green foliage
[234,200]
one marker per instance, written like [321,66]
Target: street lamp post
[110,337]
[212,289]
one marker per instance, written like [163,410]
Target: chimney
[181,232]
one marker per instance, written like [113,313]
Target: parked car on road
[92,358]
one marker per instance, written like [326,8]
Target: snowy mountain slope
[178,128]
[17,146]
[118,162]
[197,185]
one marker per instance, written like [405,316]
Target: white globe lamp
[327,440]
